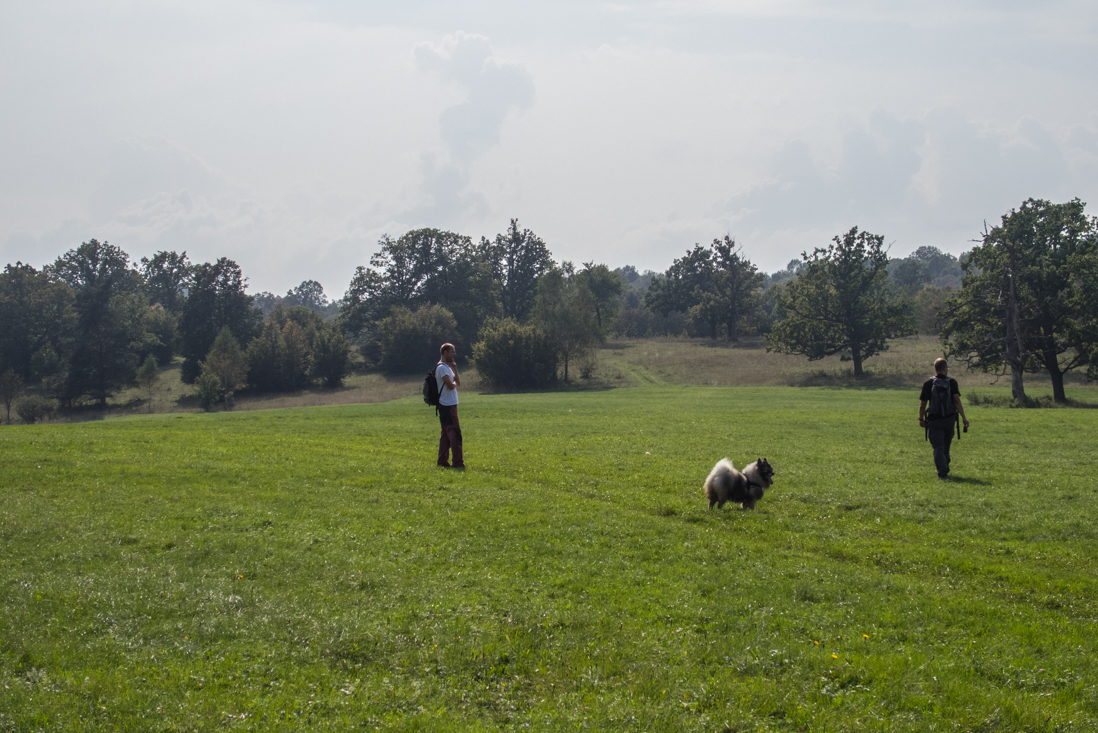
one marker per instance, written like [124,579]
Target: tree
[167,277]
[217,300]
[208,389]
[736,285]
[605,285]
[407,340]
[909,275]
[840,303]
[309,294]
[364,303]
[1085,299]
[510,355]
[929,303]
[226,362]
[36,314]
[266,359]
[717,286]
[792,270]
[942,268]
[109,332]
[422,266]
[331,357]
[148,376]
[681,288]
[1020,305]
[565,311]
[299,356]
[517,260]
[11,387]
[163,329]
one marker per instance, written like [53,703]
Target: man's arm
[922,413]
[960,408]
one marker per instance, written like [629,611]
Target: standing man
[944,396]
[448,381]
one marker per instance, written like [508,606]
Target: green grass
[310,569]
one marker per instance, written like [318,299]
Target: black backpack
[430,388]
[941,401]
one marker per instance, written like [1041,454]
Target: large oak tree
[1022,304]
[840,303]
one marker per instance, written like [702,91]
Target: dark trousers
[940,434]
[450,439]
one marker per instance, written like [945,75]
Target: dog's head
[766,471]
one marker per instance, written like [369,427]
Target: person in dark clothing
[940,420]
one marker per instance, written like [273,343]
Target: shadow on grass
[1045,401]
[967,480]
[871,381]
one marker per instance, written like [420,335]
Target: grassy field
[309,568]
[623,363]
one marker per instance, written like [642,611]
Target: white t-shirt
[446,397]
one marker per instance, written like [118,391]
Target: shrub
[512,356]
[226,362]
[408,341]
[208,388]
[34,408]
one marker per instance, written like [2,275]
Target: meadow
[309,568]
[622,363]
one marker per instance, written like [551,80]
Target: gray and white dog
[725,483]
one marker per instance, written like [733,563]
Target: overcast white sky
[289,136]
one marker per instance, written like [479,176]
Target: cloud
[872,176]
[493,90]
[140,166]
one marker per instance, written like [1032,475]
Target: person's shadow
[966,480]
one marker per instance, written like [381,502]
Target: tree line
[91,323]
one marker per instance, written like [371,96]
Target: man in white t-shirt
[448,381]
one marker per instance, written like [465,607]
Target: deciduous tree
[167,275]
[518,258]
[36,314]
[1020,306]
[840,303]
[148,376]
[11,387]
[565,311]
[217,300]
[102,354]
[606,286]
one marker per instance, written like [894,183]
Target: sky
[291,135]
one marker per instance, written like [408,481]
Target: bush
[408,341]
[512,356]
[208,388]
[34,408]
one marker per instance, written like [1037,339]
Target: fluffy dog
[725,483]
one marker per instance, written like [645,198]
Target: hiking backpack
[430,388]
[941,401]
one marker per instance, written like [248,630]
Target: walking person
[940,420]
[449,442]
